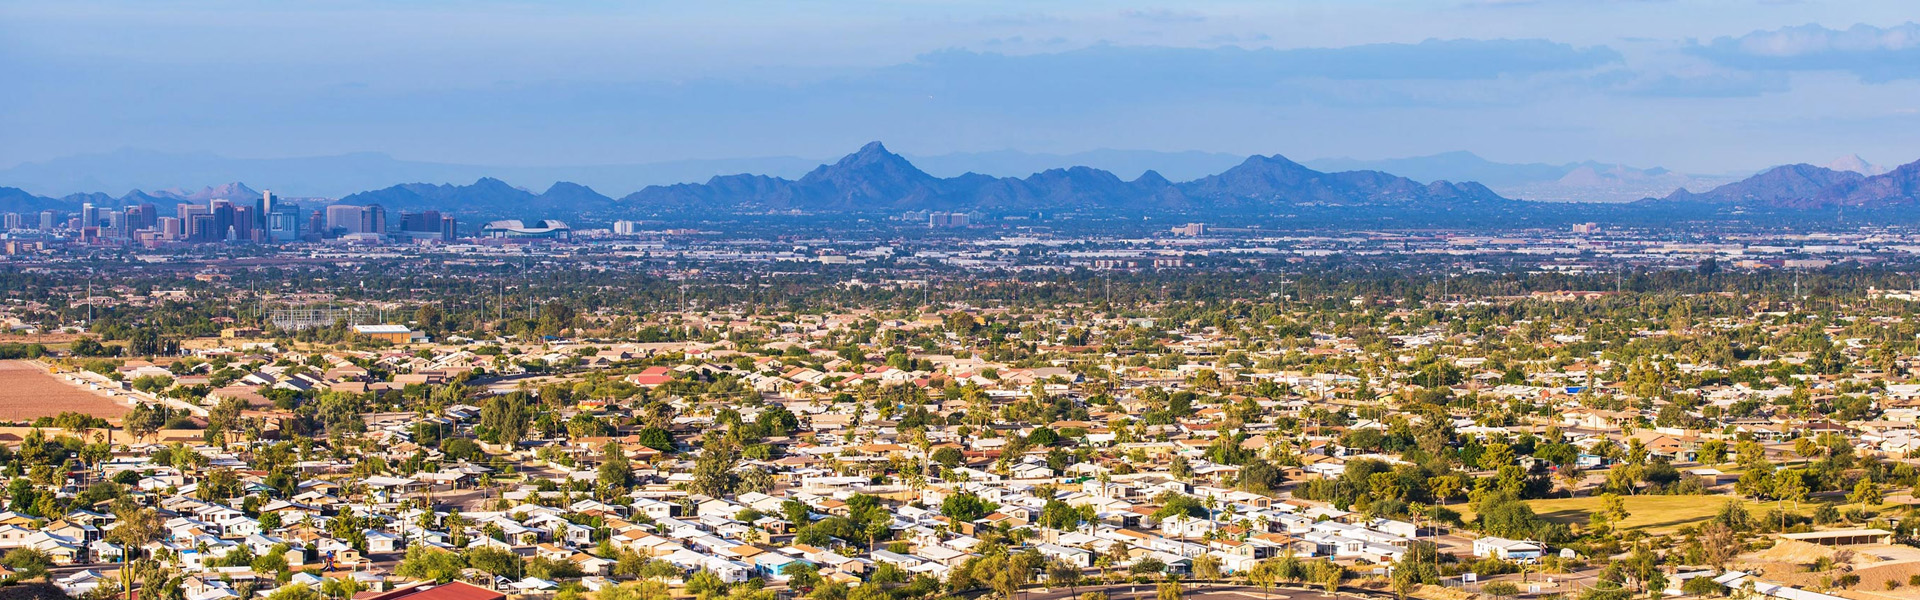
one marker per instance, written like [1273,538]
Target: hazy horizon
[1698,87]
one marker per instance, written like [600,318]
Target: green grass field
[1657,514]
[1654,513]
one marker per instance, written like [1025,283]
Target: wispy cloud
[1163,15]
[1875,54]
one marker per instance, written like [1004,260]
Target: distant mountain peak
[1271,160]
[567,186]
[235,191]
[494,184]
[1854,163]
[875,179]
[1153,178]
[486,194]
[1795,185]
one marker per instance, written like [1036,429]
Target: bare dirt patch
[28,392]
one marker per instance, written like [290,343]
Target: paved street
[1190,591]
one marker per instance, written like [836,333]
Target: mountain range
[1586,181]
[339,175]
[486,194]
[1804,186]
[17,200]
[875,180]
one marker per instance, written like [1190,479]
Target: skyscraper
[245,224]
[347,218]
[263,208]
[282,222]
[200,228]
[170,228]
[223,216]
[143,216]
[376,220]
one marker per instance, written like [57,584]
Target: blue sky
[1703,85]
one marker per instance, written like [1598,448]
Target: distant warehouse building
[1842,537]
[516,229]
[398,334]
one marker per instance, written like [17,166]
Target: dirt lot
[1790,562]
[28,392]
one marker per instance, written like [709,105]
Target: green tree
[1063,573]
[615,472]
[135,527]
[966,506]
[426,562]
[656,438]
[27,563]
[1865,492]
[504,419]
[494,560]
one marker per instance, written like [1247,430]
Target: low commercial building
[398,334]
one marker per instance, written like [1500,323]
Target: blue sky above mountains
[1704,86]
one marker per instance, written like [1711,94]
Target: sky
[1705,86]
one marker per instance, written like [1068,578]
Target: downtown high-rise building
[347,219]
[170,228]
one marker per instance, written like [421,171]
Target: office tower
[13,221]
[201,228]
[346,218]
[449,228]
[189,211]
[426,220]
[223,220]
[49,220]
[89,215]
[263,208]
[169,228]
[376,220]
[143,216]
[283,222]
[243,224]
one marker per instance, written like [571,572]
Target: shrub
[1500,589]
[1703,586]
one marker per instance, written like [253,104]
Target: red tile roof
[457,590]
